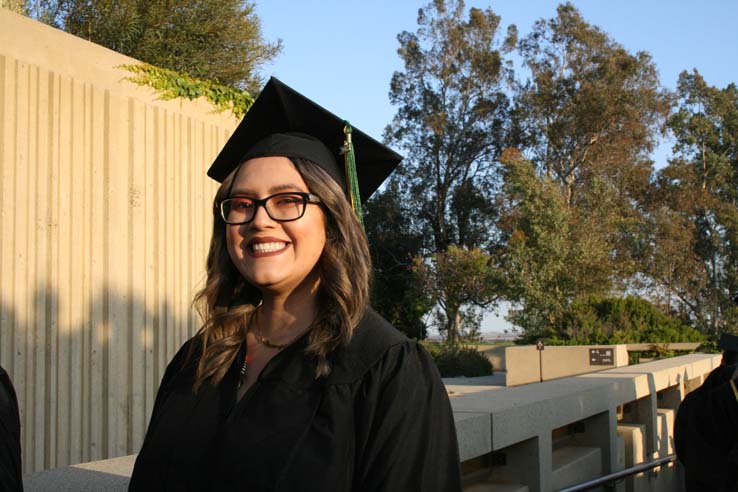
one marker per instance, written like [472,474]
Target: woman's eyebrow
[284,187]
[273,189]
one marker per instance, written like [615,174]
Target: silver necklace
[242,371]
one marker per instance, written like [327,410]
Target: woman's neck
[283,316]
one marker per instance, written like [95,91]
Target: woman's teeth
[267,247]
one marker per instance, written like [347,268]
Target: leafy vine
[172,85]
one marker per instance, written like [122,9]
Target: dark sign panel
[601,357]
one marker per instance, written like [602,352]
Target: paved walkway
[110,475]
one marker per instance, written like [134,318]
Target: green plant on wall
[172,85]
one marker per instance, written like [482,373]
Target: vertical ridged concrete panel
[104,227]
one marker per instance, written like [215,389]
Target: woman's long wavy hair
[227,301]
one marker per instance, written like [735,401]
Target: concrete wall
[104,224]
[526,364]
[496,356]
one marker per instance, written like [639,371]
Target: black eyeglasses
[282,207]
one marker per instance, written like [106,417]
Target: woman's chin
[264,282]
[270,283]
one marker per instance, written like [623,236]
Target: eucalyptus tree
[695,258]
[584,122]
[451,123]
[590,109]
[451,118]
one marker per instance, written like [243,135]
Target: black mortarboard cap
[283,122]
[728,342]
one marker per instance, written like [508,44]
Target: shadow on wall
[86,371]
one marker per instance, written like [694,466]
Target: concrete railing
[539,437]
[546,436]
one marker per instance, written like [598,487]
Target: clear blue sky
[342,53]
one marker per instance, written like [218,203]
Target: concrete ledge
[474,433]
[575,464]
[644,347]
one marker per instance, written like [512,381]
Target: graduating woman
[293,383]
[10,450]
[706,427]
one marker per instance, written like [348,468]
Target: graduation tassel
[352,181]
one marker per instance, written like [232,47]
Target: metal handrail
[596,482]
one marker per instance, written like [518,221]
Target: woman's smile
[266,246]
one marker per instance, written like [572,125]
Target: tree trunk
[704,168]
[453,320]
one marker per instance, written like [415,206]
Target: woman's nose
[261,217]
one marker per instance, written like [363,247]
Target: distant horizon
[484,336]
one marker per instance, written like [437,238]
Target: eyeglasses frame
[306,197]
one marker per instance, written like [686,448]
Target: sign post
[540,346]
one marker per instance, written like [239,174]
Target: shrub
[465,361]
[612,320]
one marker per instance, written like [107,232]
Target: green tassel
[352,180]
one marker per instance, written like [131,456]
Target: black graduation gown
[381,421]
[706,435]
[10,450]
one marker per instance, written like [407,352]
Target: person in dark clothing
[294,383]
[10,450]
[706,427]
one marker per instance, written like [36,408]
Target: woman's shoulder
[185,360]
[372,344]
[189,350]
[8,399]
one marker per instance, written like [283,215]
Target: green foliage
[460,361]
[459,280]
[218,40]
[17,6]
[709,347]
[172,85]
[611,320]
[552,255]
[394,242]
